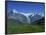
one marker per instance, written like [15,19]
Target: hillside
[18,27]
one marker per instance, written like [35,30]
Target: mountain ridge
[23,17]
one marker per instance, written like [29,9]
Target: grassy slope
[13,27]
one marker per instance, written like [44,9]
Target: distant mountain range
[23,17]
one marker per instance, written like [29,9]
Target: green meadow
[14,27]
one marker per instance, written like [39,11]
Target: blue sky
[26,7]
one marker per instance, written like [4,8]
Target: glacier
[24,17]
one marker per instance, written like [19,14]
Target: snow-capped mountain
[23,17]
[35,17]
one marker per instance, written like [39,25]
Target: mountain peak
[24,17]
